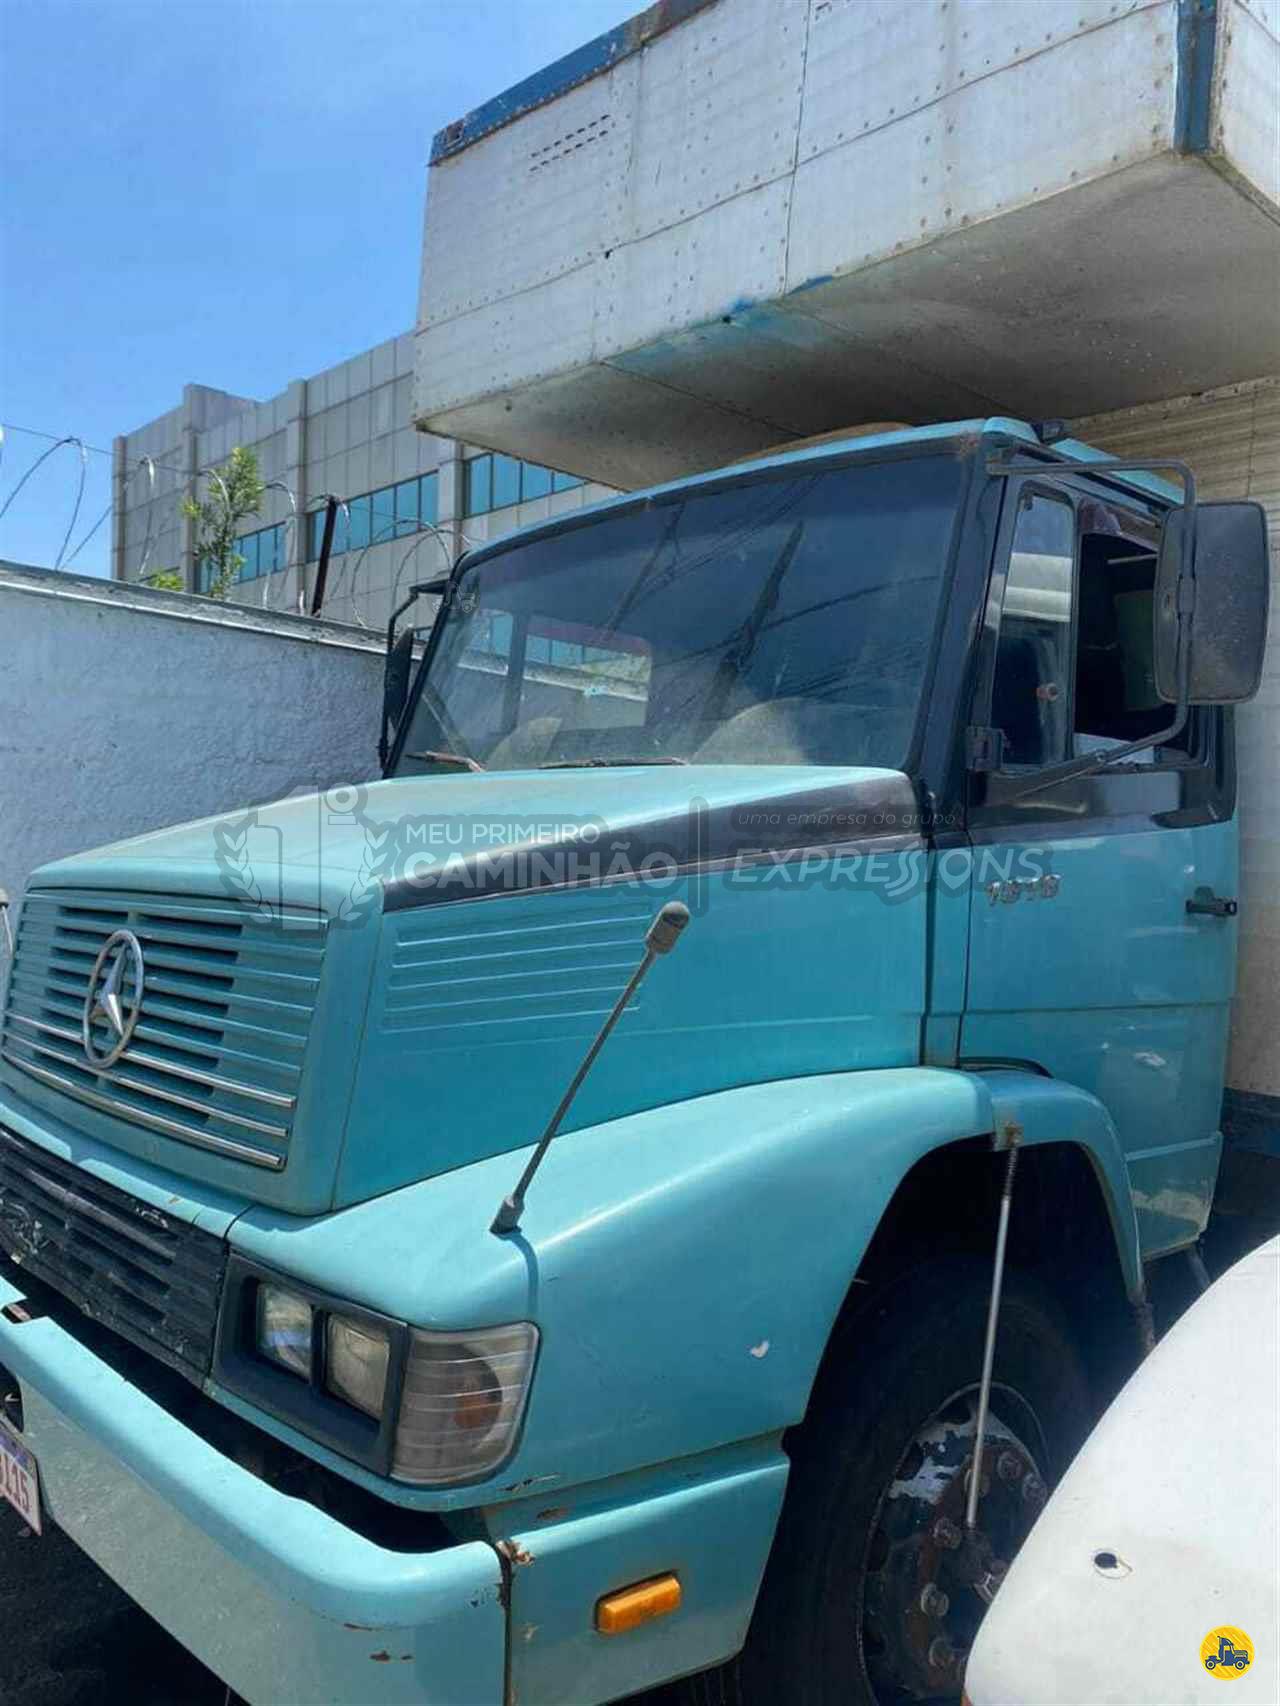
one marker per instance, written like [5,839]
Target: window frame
[993,620]
[932,757]
[557,481]
[1117,794]
[428,482]
[249,564]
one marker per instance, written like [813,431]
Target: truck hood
[416,833]
[421,963]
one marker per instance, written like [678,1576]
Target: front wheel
[874,1591]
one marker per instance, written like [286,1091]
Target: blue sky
[227,193]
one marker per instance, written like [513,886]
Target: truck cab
[930,732]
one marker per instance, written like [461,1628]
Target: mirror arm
[1097,762]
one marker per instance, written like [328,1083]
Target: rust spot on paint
[553,1513]
[514,1553]
[382,1658]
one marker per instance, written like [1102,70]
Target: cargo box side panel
[514,227]
[632,177]
[1246,135]
[831,211]
[912,169]
[718,112]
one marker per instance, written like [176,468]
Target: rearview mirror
[1225,622]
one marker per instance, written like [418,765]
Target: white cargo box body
[733,221]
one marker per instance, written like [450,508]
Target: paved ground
[69,1637]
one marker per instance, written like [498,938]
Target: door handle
[1208,905]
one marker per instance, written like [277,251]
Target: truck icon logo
[114,999]
[1226,1652]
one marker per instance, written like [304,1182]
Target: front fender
[684,1265]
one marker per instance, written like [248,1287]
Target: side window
[1115,691]
[1031,698]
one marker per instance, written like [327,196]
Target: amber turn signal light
[629,1607]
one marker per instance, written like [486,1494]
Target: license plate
[19,1478]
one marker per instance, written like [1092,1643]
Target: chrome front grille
[152,1278]
[216,1057]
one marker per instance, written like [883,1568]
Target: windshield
[775,621]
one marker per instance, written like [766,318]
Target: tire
[890,1368]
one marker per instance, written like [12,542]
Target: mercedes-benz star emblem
[114,1000]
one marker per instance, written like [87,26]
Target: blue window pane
[315,533]
[479,485]
[248,549]
[358,534]
[268,551]
[564,482]
[384,514]
[285,536]
[506,481]
[535,482]
[407,507]
[429,486]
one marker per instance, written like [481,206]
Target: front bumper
[276,1597]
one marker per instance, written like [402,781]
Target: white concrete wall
[123,709]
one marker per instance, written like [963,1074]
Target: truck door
[1084,960]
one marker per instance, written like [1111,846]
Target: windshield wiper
[602,763]
[455,758]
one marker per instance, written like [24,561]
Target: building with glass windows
[409,501]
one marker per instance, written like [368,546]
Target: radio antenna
[661,936]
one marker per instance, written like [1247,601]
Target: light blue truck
[910,756]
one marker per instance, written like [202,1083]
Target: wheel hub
[929,1581]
